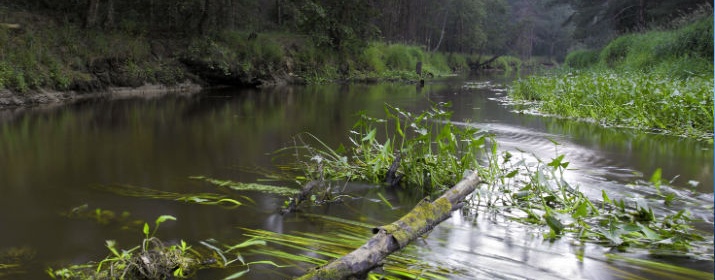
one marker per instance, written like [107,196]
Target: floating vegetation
[197,198]
[13,260]
[238,186]
[103,216]
[154,259]
[424,151]
[432,153]
[539,195]
[647,101]
[665,271]
[343,237]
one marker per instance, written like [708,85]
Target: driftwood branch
[478,65]
[303,196]
[395,236]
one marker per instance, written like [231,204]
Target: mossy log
[395,236]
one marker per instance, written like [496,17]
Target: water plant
[425,151]
[197,198]
[647,101]
[432,152]
[154,259]
[344,236]
[537,193]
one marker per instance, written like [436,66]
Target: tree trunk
[397,235]
[92,14]
[444,25]
[109,21]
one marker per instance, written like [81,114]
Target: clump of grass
[432,153]
[154,259]
[581,58]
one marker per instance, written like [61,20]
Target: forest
[71,45]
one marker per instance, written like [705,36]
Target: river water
[54,159]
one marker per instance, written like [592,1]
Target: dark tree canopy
[518,27]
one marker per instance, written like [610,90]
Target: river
[54,159]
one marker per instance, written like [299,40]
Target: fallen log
[395,236]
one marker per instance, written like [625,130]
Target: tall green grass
[651,50]
[389,61]
[659,81]
[648,101]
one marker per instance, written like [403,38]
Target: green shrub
[437,64]
[398,57]
[457,61]
[373,58]
[696,39]
[581,58]
[617,50]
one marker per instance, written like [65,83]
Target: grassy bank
[41,53]
[659,80]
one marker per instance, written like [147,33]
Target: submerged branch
[397,235]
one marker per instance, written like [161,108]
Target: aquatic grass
[197,198]
[537,193]
[667,271]
[13,261]
[238,186]
[428,151]
[154,259]
[312,249]
[646,101]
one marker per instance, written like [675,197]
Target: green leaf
[370,135]
[581,211]
[237,275]
[146,229]
[164,218]
[553,222]
[268,262]
[605,197]
[247,243]
[649,233]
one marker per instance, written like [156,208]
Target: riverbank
[43,96]
[657,81]
[45,60]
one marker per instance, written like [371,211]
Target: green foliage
[342,237]
[539,194]
[156,260]
[649,101]
[582,58]
[695,39]
[658,81]
[457,61]
[433,153]
[617,50]
[373,57]
[651,49]
[509,64]
[197,198]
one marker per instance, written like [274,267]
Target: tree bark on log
[477,66]
[395,236]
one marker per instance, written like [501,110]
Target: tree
[342,25]
[595,18]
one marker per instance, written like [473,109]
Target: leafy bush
[581,58]
[617,50]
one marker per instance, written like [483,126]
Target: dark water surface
[53,159]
